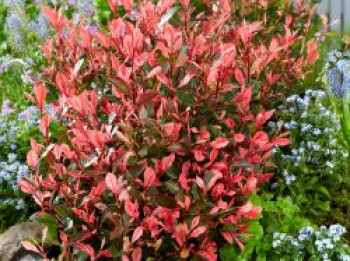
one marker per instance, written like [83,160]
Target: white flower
[325,257]
[276,235]
[317,132]
[316,147]
[292,98]
[290,179]
[292,110]
[303,115]
[295,243]
[329,164]
[344,257]
[337,231]
[276,243]
[309,144]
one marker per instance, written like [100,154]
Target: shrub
[15,133]
[282,233]
[280,215]
[314,169]
[162,117]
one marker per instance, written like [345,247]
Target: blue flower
[12,157]
[14,26]
[305,233]
[341,64]
[17,2]
[6,108]
[337,231]
[20,204]
[317,132]
[41,27]
[84,7]
[13,23]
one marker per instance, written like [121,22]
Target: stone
[11,242]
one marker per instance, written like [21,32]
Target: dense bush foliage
[162,119]
[314,166]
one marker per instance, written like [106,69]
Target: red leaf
[137,254]
[113,5]
[32,159]
[195,222]
[112,184]
[272,78]
[104,253]
[127,4]
[262,117]
[167,162]
[147,96]
[185,3]
[243,98]
[29,97]
[213,154]
[180,233]
[198,231]
[87,249]
[198,154]
[215,176]
[149,178]
[132,209]
[102,39]
[239,76]
[64,238]
[186,80]
[31,247]
[44,125]
[230,123]
[249,211]
[260,138]
[35,146]
[213,75]
[154,72]
[137,234]
[265,177]
[250,186]
[169,128]
[227,236]
[281,141]
[54,18]
[312,52]
[208,252]
[40,95]
[26,187]
[219,143]
[238,137]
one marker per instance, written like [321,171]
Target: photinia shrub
[161,120]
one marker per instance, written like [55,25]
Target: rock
[30,257]
[11,242]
